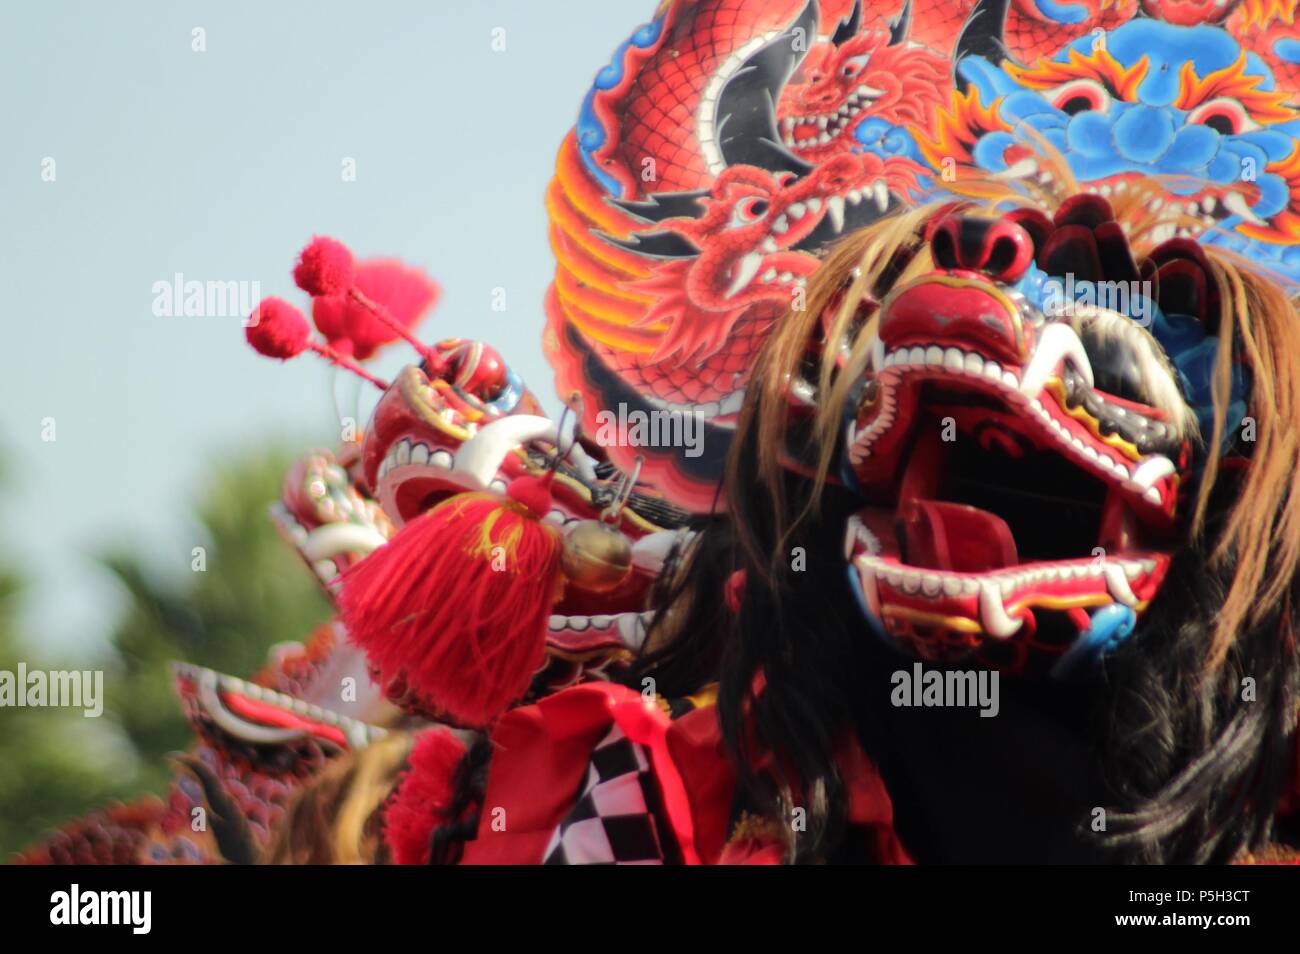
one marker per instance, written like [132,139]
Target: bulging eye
[1225,116]
[476,369]
[749,210]
[853,66]
[1080,96]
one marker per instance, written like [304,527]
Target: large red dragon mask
[1026,432]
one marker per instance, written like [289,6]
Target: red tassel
[423,797]
[456,605]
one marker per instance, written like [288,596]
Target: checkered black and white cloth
[613,822]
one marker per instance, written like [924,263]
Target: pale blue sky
[220,165]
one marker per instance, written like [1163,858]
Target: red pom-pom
[423,797]
[406,293]
[277,329]
[456,605]
[324,267]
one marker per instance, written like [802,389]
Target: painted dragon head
[861,91]
[689,207]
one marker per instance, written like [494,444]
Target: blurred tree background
[253,593]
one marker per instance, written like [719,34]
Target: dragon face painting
[724,147]
[729,143]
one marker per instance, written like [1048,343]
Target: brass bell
[596,557]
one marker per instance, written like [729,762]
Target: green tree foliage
[54,763]
[251,593]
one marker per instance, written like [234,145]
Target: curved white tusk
[480,457]
[1058,340]
[331,539]
[993,615]
[575,455]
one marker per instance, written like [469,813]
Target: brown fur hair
[336,818]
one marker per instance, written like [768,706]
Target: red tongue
[957,537]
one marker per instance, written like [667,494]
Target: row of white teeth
[1233,201]
[406,452]
[934,583]
[326,570]
[632,627]
[358,732]
[829,124]
[445,413]
[993,589]
[747,269]
[730,404]
[1163,233]
[772,275]
[877,192]
[953,360]
[1204,211]
[1141,479]
[1058,342]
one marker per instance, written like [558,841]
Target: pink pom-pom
[324,267]
[405,292]
[277,329]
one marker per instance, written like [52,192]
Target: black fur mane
[1187,770]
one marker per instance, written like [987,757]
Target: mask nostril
[999,248]
[944,248]
[1003,256]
